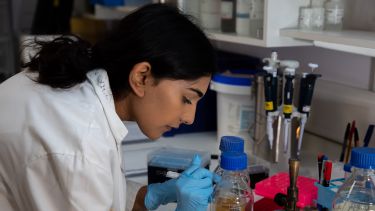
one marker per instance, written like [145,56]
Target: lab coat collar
[99,80]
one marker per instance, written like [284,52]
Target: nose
[189,115]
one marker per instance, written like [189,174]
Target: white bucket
[235,106]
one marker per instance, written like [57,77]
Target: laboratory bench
[135,154]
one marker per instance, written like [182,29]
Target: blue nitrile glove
[160,193]
[194,187]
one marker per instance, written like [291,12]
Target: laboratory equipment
[306,92]
[228,15]
[233,191]
[334,14]
[327,194]
[279,183]
[235,104]
[317,19]
[286,110]
[210,14]
[312,17]
[358,191]
[270,93]
[243,17]
[288,104]
[256,18]
[229,144]
[165,159]
[292,193]
[257,173]
[305,16]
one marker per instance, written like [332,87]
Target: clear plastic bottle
[243,17]
[256,18]
[233,191]
[358,191]
[210,14]
[228,15]
[334,15]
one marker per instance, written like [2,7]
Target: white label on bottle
[334,16]
[226,10]
[256,9]
[246,115]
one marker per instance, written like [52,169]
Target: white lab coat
[60,149]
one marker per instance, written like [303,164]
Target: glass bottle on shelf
[317,16]
[334,14]
[256,18]
[210,14]
[228,15]
[243,17]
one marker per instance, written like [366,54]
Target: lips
[171,127]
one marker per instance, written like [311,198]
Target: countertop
[135,154]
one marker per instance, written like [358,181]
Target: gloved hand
[194,187]
[160,193]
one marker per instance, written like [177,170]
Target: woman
[61,119]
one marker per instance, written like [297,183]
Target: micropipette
[288,103]
[305,98]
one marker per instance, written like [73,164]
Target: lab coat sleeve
[6,202]
[66,182]
[132,189]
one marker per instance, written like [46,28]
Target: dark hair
[159,34]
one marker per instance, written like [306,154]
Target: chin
[154,136]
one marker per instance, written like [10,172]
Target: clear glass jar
[233,191]
[358,191]
[334,15]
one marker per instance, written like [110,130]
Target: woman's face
[167,104]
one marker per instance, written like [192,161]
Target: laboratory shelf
[359,42]
[233,38]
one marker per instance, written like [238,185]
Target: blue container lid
[347,167]
[231,144]
[233,161]
[233,79]
[363,157]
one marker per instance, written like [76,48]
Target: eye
[185,100]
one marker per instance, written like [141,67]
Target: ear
[139,76]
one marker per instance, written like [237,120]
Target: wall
[341,94]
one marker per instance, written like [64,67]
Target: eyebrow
[199,92]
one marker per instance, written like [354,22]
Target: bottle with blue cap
[358,191]
[233,191]
[229,144]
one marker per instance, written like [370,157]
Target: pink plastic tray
[279,183]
